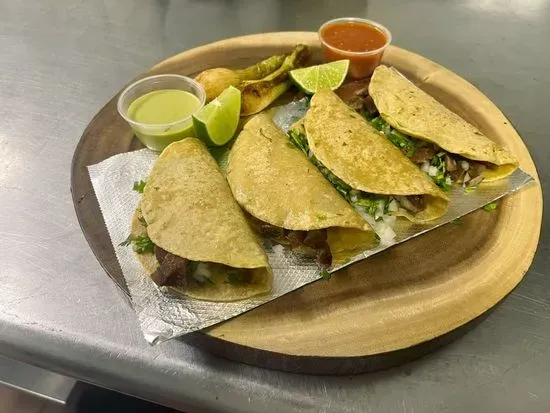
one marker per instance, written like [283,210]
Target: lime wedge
[329,75]
[217,122]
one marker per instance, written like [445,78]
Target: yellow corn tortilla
[276,183]
[345,243]
[190,212]
[357,154]
[413,112]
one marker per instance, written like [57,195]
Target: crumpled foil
[163,316]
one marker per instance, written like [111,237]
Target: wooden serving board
[383,310]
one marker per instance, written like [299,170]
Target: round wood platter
[385,310]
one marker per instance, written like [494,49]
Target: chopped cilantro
[469,189]
[378,123]
[140,244]
[139,186]
[300,140]
[407,144]
[372,204]
[440,178]
[143,244]
[490,207]
[340,185]
[325,274]
[369,204]
[456,221]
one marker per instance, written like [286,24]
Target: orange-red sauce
[361,43]
[354,36]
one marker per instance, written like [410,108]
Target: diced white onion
[432,170]
[382,229]
[393,206]
[278,249]
[202,272]
[385,232]
[425,166]
[464,165]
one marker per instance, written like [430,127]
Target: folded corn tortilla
[355,152]
[189,211]
[275,182]
[413,112]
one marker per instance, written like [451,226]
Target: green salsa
[157,110]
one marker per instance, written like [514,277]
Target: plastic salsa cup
[361,41]
[155,134]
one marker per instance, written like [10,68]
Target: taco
[200,243]
[437,140]
[372,174]
[289,200]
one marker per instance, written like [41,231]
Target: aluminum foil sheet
[163,316]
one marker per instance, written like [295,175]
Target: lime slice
[329,75]
[217,122]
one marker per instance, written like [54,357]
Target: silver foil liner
[163,316]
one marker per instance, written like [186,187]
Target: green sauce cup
[157,136]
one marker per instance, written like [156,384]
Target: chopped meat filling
[171,267]
[450,163]
[311,243]
[455,167]
[423,154]
[412,203]
[356,95]
[316,239]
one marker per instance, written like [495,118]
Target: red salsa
[354,37]
[360,42]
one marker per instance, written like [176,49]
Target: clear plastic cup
[157,136]
[362,64]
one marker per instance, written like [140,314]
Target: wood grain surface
[405,296]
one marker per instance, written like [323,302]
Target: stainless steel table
[61,60]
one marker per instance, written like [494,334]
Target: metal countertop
[61,60]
